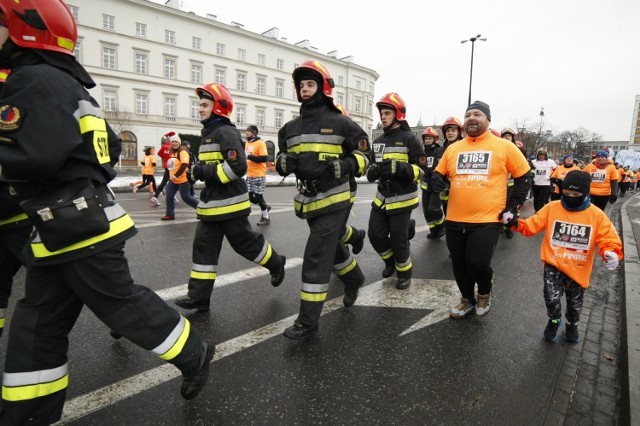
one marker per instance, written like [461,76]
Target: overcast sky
[580,60]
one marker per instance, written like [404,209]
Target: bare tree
[580,142]
[533,136]
[119,120]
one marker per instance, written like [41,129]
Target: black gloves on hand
[197,171]
[613,198]
[373,174]
[437,182]
[394,168]
[509,217]
[286,163]
[341,168]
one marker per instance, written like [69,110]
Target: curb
[630,338]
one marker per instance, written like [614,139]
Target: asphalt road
[393,358]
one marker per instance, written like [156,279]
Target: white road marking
[380,294]
[222,280]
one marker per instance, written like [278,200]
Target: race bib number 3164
[571,235]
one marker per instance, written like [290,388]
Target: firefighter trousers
[389,237]
[207,245]
[12,244]
[324,253]
[432,209]
[36,370]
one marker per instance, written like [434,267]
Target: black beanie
[482,107]
[577,180]
[253,129]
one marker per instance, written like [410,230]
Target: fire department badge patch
[423,160]
[232,155]
[363,145]
[10,118]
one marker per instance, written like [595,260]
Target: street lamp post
[473,41]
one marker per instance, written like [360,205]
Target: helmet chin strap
[8,50]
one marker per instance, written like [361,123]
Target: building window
[340,99]
[279,119]
[195,109]
[358,105]
[109,100]
[141,63]
[371,88]
[280,89]
[196,43]
[241,82]
[76,51]
[170,107]
[142,104]
[220,49]
[260,118]
[109,22]
[196,73]
[280,64]
[341,80]
[261,85]
[370,108]
[358,84]
[240,116]
[141,30]
[170,68]
[242,55]
[262,59]
[169,37]
[221,76]
[74,11]
[109,57]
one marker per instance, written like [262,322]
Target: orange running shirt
[148,168]
[478,169]
[257,148]
[601,178]
[571,237]
[174,164]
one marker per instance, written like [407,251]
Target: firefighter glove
[373,174]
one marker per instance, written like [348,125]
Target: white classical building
[148,58]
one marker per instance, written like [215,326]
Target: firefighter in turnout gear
[224,205]
[58,152]
[452,131]
[324,149]
[400,164]
[431,204]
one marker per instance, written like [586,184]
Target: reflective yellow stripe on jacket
[222,207]
[306,204]
[17,218]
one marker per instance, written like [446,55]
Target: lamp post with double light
[473,41]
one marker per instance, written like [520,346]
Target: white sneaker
[176,199]
[483,304]
[462,309]
[154,201]
[134,189]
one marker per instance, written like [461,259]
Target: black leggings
[471,247]
[146,180]
[540,196]
[600,201]
[163,183]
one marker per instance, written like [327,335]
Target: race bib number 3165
[473,163]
